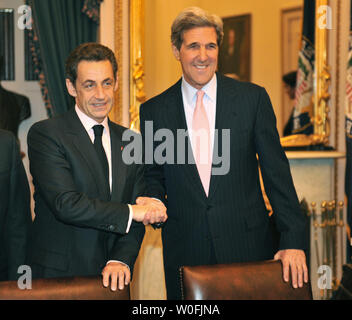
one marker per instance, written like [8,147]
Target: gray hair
[193,17]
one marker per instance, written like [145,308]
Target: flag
[304,105]
[348,128]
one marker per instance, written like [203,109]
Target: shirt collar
[190,92]
[88,122]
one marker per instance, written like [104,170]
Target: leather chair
[75,288]
[240,281]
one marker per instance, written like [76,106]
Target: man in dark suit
[216,213]
[14,108]
[15,213]
[85,221]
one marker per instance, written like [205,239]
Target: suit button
[209,207]
[111,228]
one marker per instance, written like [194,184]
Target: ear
[71,88]
[176,52]
[116,82]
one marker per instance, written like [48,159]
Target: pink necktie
[201,141]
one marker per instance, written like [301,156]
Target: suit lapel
[119,169]
[226,118]
[85,148]
[176,119]
[175,112]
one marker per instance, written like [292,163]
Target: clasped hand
[149,211]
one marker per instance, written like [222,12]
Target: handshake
[149,211]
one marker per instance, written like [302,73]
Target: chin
[203,82]
[100,115]
[204,79]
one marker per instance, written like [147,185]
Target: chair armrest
[74,288]
[240,281]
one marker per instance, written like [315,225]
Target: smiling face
[198,55]
[94,88]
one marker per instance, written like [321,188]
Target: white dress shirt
[189,96]
[88,124]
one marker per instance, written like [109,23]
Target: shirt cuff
[129,219]
[119,262]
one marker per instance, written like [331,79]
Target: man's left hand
[296,261]
[119,273]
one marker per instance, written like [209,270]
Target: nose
[99,93]
[203,53]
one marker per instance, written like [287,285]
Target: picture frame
[235,50]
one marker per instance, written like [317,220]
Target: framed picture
[234,55]
[291,33]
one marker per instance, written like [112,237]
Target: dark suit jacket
[14,108]
[78,226]
[233,218]
[15,214]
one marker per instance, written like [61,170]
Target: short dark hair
[194,17]
[90,51]
[290,78]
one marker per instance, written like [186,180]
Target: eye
[212,46]
[193,46]
[89,86]
[108,84]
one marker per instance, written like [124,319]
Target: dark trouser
[173,279]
